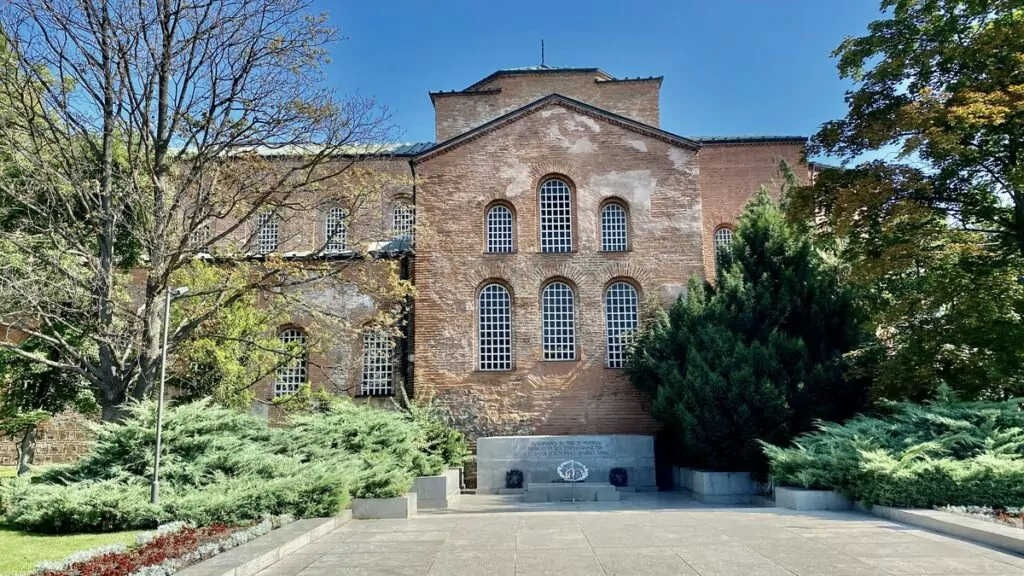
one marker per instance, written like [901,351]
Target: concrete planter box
[440,491]
[808,499]
[716,487]
[380,508]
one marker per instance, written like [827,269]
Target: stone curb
[1004,538]
[252,557]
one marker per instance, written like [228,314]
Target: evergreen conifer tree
[759,356]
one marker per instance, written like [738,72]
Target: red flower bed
[156,551]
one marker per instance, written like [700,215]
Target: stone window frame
[573,213]
[511,347]
[294,371]
[370,384]
[627,216]
[514,227]
[608,337]
[575,353]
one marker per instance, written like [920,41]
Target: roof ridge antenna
[542,65]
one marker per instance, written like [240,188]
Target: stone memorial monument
[538,457]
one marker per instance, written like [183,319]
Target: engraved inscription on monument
[559,448]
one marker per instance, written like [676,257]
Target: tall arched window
[555,216]
[335,233]
[267,232]
[614,229]
[403,220]
[495,328]
[292,372]
[500,229]
[723,239]
[621,307]
[378,363]
[558,322]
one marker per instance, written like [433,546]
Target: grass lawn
[20,551]
[8,471]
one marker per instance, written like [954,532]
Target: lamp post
[154,490]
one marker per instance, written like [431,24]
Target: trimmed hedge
[945,453]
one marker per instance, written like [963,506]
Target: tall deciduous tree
[137,125]
[759,356]
[934,232]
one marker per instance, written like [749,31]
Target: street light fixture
[154,489]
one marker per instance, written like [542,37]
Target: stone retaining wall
[62,439]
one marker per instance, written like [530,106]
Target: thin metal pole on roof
[541,51]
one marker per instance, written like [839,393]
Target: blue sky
[731,67]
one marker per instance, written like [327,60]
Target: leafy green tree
[759,356]
[934,232]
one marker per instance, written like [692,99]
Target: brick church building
[555,206]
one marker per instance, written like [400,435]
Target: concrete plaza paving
[645,534]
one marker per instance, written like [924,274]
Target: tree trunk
[27,449]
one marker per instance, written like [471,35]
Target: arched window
[614,233]
[292,372]
[403,220]
[555,216]
[378,363]
[621,307]
[199,239]
[267,232]
[335,233]
[499,229]
[558,322]
[723,239]
[495,328]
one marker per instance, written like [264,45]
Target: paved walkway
[643,535]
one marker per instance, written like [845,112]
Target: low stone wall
[62,439]
[715,487]
[440,491]
[538,458]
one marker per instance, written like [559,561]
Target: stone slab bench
[558,491]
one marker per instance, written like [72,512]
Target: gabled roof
[565,101]
[542,69]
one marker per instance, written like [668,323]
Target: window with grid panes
[495,328]
[267,231]
[613,228]
[200,237]
[335,233]
[558,322]
[723,239]
[292,373]
[499,229]
[404,220]
[378,364]
[621,307]
[555,217]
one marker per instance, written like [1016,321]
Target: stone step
[558,491]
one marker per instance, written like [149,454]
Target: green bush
[945,453]
[83,507]
[219,465]
[440,438]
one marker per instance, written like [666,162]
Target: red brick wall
[459,112]
[660,184]
[730,175]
